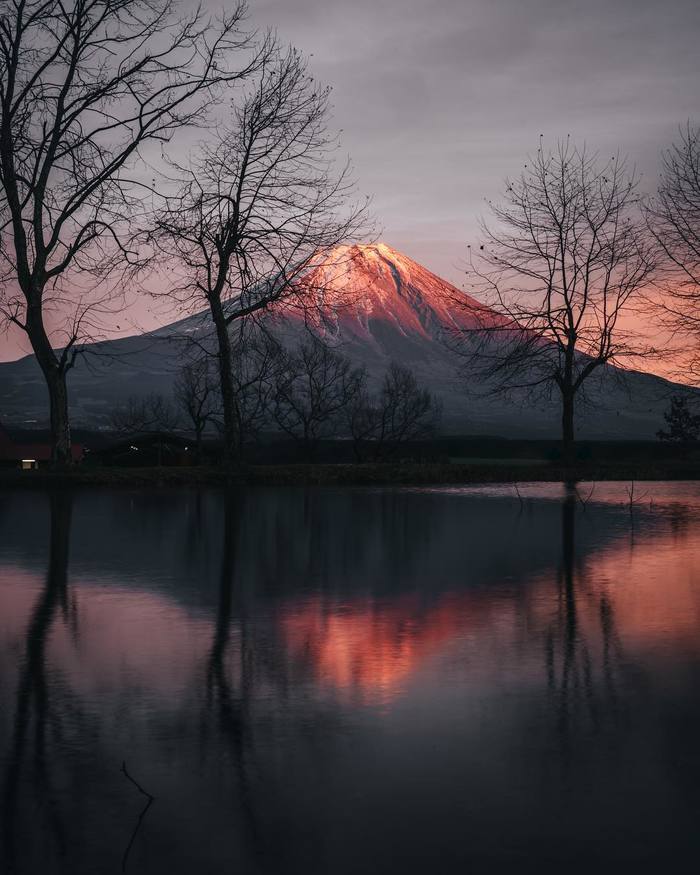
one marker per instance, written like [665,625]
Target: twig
[150,801]
[632,499]
[520,498]
[584,501]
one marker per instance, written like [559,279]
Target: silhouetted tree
[257,359]
[402,411]
[408,412]
[567,257]
[259,203]
[314,386]
[674,219]
[363,419]
[683,426]
[37,717]
[196,393]
[146,416]
[84,88]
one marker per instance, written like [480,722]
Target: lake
[350,680]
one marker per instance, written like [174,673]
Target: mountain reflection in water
[344,681]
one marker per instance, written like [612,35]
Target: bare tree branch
[314,387]
[87,87]
[258,206]
[567,257]
[674,220]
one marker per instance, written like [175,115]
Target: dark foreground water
[326,681]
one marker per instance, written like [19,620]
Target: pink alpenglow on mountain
[368,289]
[374,305]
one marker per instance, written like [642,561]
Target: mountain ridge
[377,305]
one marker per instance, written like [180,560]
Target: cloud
[439,101]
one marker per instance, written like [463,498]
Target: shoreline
[406,474]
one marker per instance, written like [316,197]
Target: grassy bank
[406,474]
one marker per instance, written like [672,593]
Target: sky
[439,101]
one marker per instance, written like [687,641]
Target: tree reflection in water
[297,684]
[230,702]
[583,649]
[36,713]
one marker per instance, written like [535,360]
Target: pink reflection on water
[366,650]
[110,637]
[371,650]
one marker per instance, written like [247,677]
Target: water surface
[346,681]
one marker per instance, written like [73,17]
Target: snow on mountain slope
[374,285]
[376,305]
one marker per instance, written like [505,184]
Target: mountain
[378,306]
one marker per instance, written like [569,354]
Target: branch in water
[150,801]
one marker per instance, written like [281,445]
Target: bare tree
[196,393]
[257,361]
[567,257]
[363,418]
[403,411]
[85,86]
[408,411]
[683,425]
[674,219]
[144,415]
[258,205]
[314,387]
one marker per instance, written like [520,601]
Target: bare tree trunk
[60,424]
[260,203]
[568,256]
[567,426]
[55,377]
[567,405]
[228,393]
[86,85]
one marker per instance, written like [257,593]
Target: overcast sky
[439,100]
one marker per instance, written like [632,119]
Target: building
[30,455]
